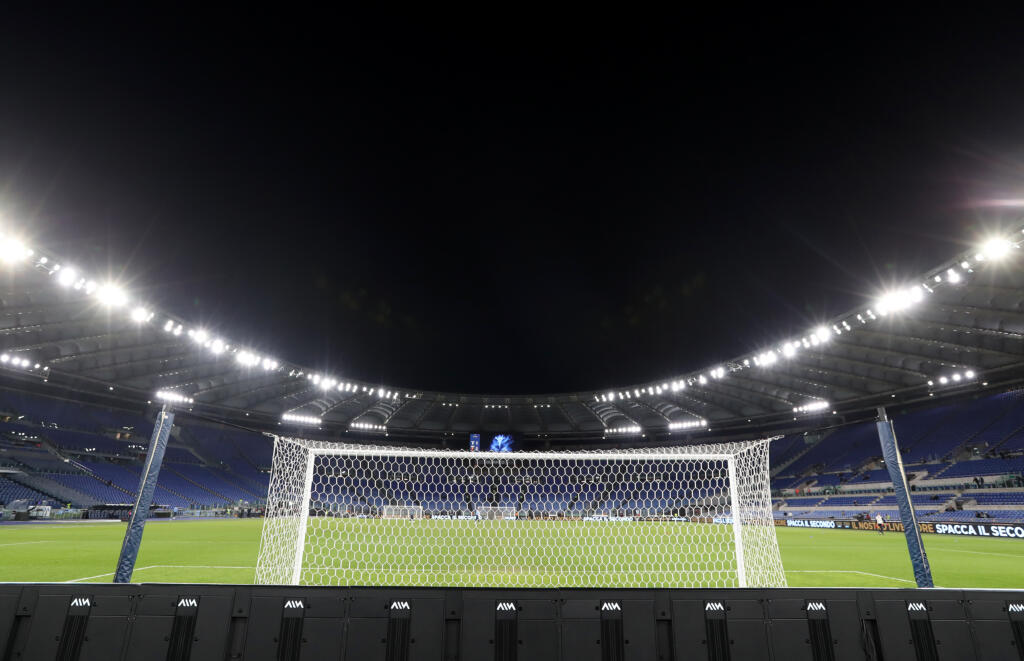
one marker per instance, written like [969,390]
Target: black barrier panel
[297,626]
[608,625]
[998,623]
[181,623]
[536,620]
[395,624]
[923,625]
[822,628]
[9,597]
[724,624]
[74,622]
[200,622]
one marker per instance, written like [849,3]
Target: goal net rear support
[692,516]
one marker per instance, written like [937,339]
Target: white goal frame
[757,559]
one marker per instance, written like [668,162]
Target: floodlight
[217,346]
[969,374]
[943,380]
[110,295]
[66,277]
[173,397]
[140,314]
[13,250]
[996,248]
[300,419]
[4,358]
[952,276]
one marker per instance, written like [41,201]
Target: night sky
[506,209]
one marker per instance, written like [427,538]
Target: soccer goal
[695,516]
[402,512]
[492,513]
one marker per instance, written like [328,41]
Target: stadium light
[687,424]
[66,277]
[12,250]
[110,295]
[629,429]
[173,397]
[367,426]
[810,407]
[301,419]
[995,248]
[898,300]
[141,315]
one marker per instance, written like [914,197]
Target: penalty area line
[137,569]
[847,571]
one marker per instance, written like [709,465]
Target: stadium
[480,341]
[773,469]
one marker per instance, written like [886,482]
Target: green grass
[225,551]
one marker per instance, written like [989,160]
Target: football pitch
[225,551]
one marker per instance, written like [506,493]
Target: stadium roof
[958,327]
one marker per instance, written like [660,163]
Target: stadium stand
[11,491]
[95,454]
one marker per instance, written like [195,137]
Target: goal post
[690,516]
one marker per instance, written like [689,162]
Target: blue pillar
[894,463]
[147,485]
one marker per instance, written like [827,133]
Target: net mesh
[664,517]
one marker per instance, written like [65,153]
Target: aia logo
[611,606]
[81,601]
[399,605]
[916,606]
[294,603]
[506,606]
[188,602]
[1016,608]
[714,606]
[815,606]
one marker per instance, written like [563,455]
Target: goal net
[694,516]
[402,512]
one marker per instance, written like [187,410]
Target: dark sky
[507,208]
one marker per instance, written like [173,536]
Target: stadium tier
[11,491]
[95,455]
[209,466]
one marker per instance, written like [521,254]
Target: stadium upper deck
[959,327]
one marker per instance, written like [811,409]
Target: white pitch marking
[1005,555]
[87,578]
[42,541]
[845,571]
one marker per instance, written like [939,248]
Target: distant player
[879,523]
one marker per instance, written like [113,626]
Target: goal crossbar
[597,455]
